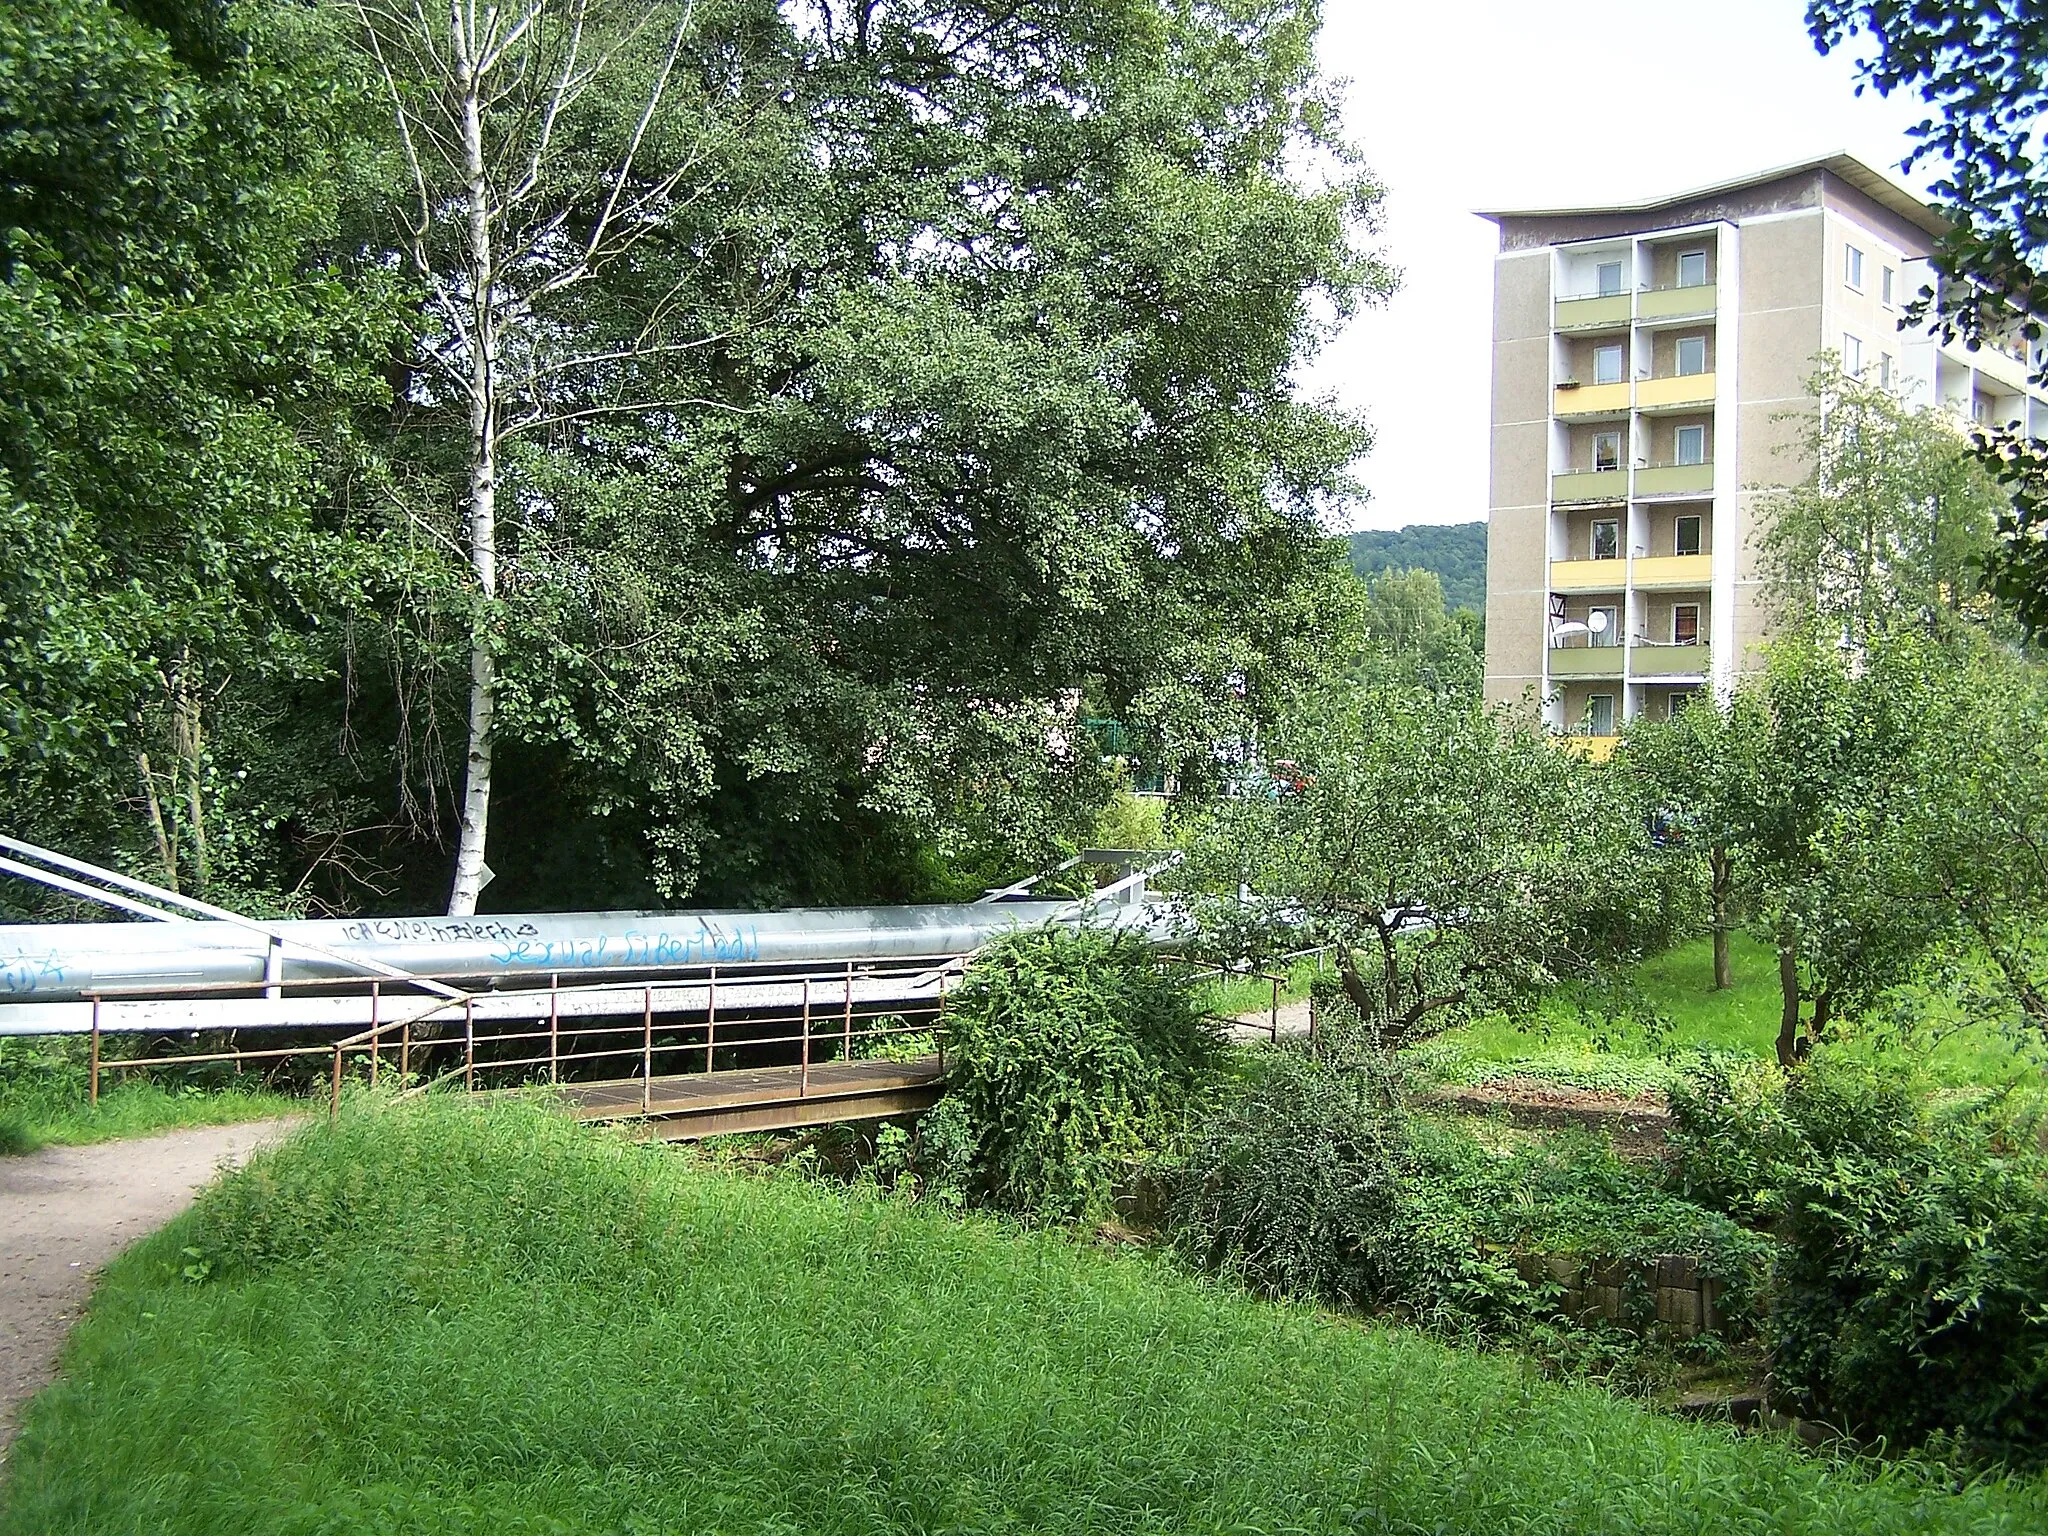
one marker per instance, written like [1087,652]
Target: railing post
[334,1089]
[1276,1008]
[376,1041]
[647,1050]
[405,1053]
[94,1091]
[939,1029]
[847,1026]
[803,1082]
[554,1027]
[469,1045]
[711,1019]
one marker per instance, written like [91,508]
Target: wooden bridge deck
[694,1104]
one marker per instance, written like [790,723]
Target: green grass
[1557,1045]
[39,1112]
[1229,996]
[446,1319]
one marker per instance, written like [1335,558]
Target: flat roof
[1872,183]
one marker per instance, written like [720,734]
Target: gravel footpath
[65,1211]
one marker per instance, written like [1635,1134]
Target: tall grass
[46,1096]
[457,1319]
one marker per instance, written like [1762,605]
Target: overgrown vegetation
[45,1097]
[463,1320]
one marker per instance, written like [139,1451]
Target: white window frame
[1678,356]
[1620,270]
[1610,636]
[1619,352]
[1885,281]
[1683,257]
[1613,437]
[1887,370]
[1677,445]
[1593,699]
[1699,529]
[1852,354]
[1694,609]
[1593,538]
[1852,266]
[1678,699]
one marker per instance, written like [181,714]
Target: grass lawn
[444,1318]
[1557,1045]
[1229,996]
[39,1111]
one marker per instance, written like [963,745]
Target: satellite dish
[1596,621]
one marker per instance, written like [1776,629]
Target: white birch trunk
[483,490]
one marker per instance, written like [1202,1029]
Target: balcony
[1605,312]
[1594,749]
[1575,661]
[1677,303]
[1654,659]
[1588,575]
[1675,391]
[1675,480]
[1590,485]
[1667,572]
[1570,400]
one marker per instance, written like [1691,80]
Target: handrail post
[334,1090]
[803,1082]
[94,1091]
[1276,1008]
[469,1045]
[554,1027]
[405,1052]
[848,1025]
[711,1019]
[647,1050]
[376,1043]
[939,1029]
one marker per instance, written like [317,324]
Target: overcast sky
[1532,104]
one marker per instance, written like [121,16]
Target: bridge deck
[690,1105]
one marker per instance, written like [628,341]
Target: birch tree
[502,114]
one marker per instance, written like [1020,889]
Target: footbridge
[688,1023]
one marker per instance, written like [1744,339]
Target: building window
[1692,269]
[1685,623]
[1884,286]
[1852,355]
[1608,274]
[1686,540]
[1691,443]
[1603,626]
[1606,450]
[1679,700]
[1600,714]
[1884,369]
[1607,365]
[1607,539]
[1692,354]
[1852,267]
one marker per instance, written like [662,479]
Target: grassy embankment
[447,1319]
[45,1099]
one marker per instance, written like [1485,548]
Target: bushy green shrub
[1073,1053]
[1911,1299]
[1732,1141]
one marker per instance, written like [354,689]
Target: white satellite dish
[1596,622]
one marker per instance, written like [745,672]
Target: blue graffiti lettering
[26,972]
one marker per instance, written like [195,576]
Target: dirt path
[1258,1024]
[65,1211]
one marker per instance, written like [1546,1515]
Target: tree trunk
[1723,889]
[483,493]
[188,738]
[166,855]
[1788,992]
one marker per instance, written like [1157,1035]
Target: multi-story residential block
[1649,362]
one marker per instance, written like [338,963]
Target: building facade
[1649,364]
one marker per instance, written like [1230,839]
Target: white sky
[1535,104]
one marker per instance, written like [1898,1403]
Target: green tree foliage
[1893,520]
[1408,632]
[173,364]
[1456,552]
[1459,862]
[1071,1055]
[1982,67]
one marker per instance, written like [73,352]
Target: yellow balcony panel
[1658,660]
[1607,312]
[1667,571]
[1675,480]
[1590,485]
[1673,303]
[1676,390]
[1591,399]
[1572,661]
[1594,749]
[1588,575]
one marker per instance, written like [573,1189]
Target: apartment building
[1645,360]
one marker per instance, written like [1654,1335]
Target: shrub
[1732,1141]
[1073,1052]
[1911,1299]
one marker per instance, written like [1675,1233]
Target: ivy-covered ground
[447,1319]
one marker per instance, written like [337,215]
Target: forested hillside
[1455,551]
[680,451]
